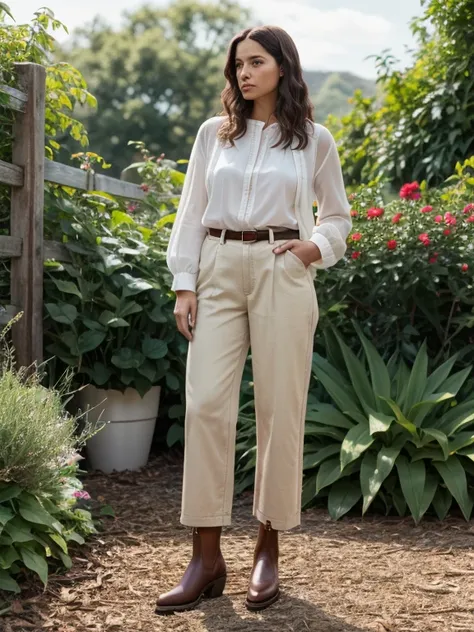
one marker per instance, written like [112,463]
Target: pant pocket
[292,262]
[207,266]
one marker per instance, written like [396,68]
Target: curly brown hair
[294,107]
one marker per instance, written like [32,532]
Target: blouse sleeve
[188,233]
[333,219]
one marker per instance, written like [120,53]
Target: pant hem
[278,525]
[206,521]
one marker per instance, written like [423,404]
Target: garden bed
[378,574]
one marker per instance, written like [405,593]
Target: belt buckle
[247,232]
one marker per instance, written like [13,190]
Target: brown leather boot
[204,577]
[264,586]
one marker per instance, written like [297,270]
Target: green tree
[424,123]
[157,77]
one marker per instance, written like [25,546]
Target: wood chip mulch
[374,574]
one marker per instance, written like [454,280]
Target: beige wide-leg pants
[247,295]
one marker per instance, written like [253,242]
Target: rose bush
[408,271]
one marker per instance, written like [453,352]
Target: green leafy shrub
[408,272]
[110,310]
[43,510]
[382,432]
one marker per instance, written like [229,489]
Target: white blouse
[254,186]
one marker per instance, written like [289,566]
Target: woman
[243,251]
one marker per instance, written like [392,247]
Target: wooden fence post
[27,216]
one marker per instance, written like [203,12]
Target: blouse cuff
[327,254]
[184,281]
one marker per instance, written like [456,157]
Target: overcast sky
[329,34]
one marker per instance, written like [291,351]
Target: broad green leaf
[417,381]
[401,382]
[7,583]
[328,415]
[457,417]
[455,382]
[356,441]
[343,495]
[148,369]
[308,491]
[5,515]
[468,452]
[461,440]
[68,287]
[340,391]
[442,502]
[99,373]
[378,371]
[437,435]
[412,480]
[399,502]
[433,454]
[437,378]
[431,485]
[111,299]
[153,348]
[401,419]
[119,217]
[35,563]
[9,491]
[172,382]
[375,469]
[454,476]
[419,411]
[318,430]
[132,285]
[358,376]
[19,530]
[32,511]
[128,358]
[62,312]
[378,422]
[129,308]
[313,459]
[329,471]
[90,340]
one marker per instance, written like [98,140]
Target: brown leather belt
[255,235]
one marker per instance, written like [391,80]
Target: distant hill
[330,91]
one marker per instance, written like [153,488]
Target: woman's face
[257,68]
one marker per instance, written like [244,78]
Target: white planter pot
[124,443]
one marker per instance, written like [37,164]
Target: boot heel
[216,588]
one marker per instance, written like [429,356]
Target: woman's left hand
[307,251]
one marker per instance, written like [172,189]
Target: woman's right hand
[185,312]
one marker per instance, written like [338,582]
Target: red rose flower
[356,254]
[470,219]
[424,239]
[464,267]
[468,209]
[426,209]
[410,191]
[396,218]
[447,231]
[356,237]
[375,212]
[391,244]
[450,219]
[434,257]
[354,213]
[438,219]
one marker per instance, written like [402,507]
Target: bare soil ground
[373,574]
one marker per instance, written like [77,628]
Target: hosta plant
[390,432]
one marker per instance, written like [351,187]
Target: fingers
[182,323]
[185,315]
[193,313]
[286,246]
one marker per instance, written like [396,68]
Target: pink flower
[356,254]
[375,212]
[132,206]
[391,244]
[82,495]
[410,191]
[396,218]
[468,209]
[464,267]
[424,239]
[446,231]
[356,237]
[470,219]
[438,219]
[144,187]
[450,219]
[354,213]
[426,209]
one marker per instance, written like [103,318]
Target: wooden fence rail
[26,176]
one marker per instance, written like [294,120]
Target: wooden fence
[26,175]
